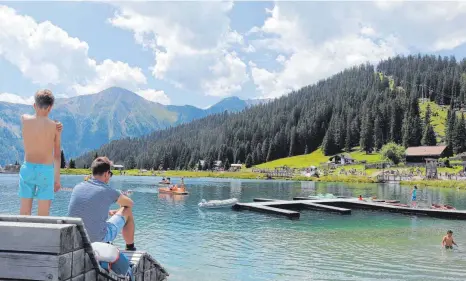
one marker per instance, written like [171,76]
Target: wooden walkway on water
[291,208]
[287,208]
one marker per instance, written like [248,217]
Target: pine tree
[63,162]
[378,133]
[248,161]
[227,165]
[367,138]
[72,164]
[429,137]
[459,141]
[96,155]
[329,145]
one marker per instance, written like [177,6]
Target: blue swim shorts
[36,181]
[115,225]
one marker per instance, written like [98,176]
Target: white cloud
[249,49]
[313,40]
[192,43]
[46,54]
[154,96]
[12,98]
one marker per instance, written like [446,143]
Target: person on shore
[91,201]
[448,241]
[414,196]
[39,175]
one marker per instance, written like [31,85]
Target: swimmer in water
[448,241]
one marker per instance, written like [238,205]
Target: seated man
[91,201]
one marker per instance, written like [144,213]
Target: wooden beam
[321,207]
[35,267]
[267,209]
[36,237]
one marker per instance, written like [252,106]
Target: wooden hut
[419,154]
[58,249]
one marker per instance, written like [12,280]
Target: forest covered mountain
[93,120]
[365,106]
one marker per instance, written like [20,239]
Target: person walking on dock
[413,196]
[91,201]
[39,176]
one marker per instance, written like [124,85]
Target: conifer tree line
[363,106]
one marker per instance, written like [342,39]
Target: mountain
[234,104]
[93,120]
[365,106]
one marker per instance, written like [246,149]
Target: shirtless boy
[39,176]
[447,241]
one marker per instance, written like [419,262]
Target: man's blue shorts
[36,181]
[115,225]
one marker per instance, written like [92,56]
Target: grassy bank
[317,157]
[247,174]
[437,183]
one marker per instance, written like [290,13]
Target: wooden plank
[153,274]
[87,263]
[35,267]
[78,267]
[139,277]
[90,276]
[41,219]
[78,239]
[258,207]
[78,278]
[147,275]
[321,207]
[265,200]
[65,262]
[147,263]
[36,237]
[102,277]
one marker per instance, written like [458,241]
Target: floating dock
[290,209]
[287,208]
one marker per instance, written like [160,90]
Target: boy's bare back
[39,136]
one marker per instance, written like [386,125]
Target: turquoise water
[226,245]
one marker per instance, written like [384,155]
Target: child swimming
[448,241]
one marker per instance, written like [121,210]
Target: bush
[393,152]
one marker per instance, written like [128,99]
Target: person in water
[414,196]
[91,201]
[39,176]
[448,241]
[360,198]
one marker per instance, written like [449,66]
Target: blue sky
[200,52]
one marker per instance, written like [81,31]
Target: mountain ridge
[93,120]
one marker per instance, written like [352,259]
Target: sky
[198,53]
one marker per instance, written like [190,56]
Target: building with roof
[342,159]
[419,154]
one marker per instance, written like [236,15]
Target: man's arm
[125,201]
[453,241]
[57,159]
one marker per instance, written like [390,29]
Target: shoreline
[257,176]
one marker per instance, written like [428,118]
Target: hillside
[316,158]
[364,106]
[91,121]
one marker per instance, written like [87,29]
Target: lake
[205,245]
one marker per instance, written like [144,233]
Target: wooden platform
[58,249]
[357,204]
[287,208]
